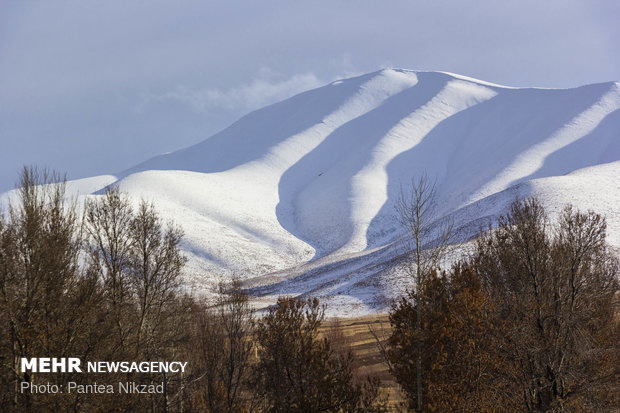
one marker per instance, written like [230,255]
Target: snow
[298,197]
[73,189]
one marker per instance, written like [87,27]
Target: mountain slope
[299,196]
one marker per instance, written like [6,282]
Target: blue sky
[91,87]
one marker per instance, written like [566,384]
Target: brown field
[357,334]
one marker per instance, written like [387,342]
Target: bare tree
[237,318]
[553,287]
[220,349]
[107,222]
[427,239]
[138,261]
[155,263]
[528,323]
[122,301]
[46,300]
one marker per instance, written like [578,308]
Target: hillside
[298,197]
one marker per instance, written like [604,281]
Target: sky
[90,87]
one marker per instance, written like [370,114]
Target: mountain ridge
[298,197]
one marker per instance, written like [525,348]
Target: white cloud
[266,88]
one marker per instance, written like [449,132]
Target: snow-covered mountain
[298,197]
